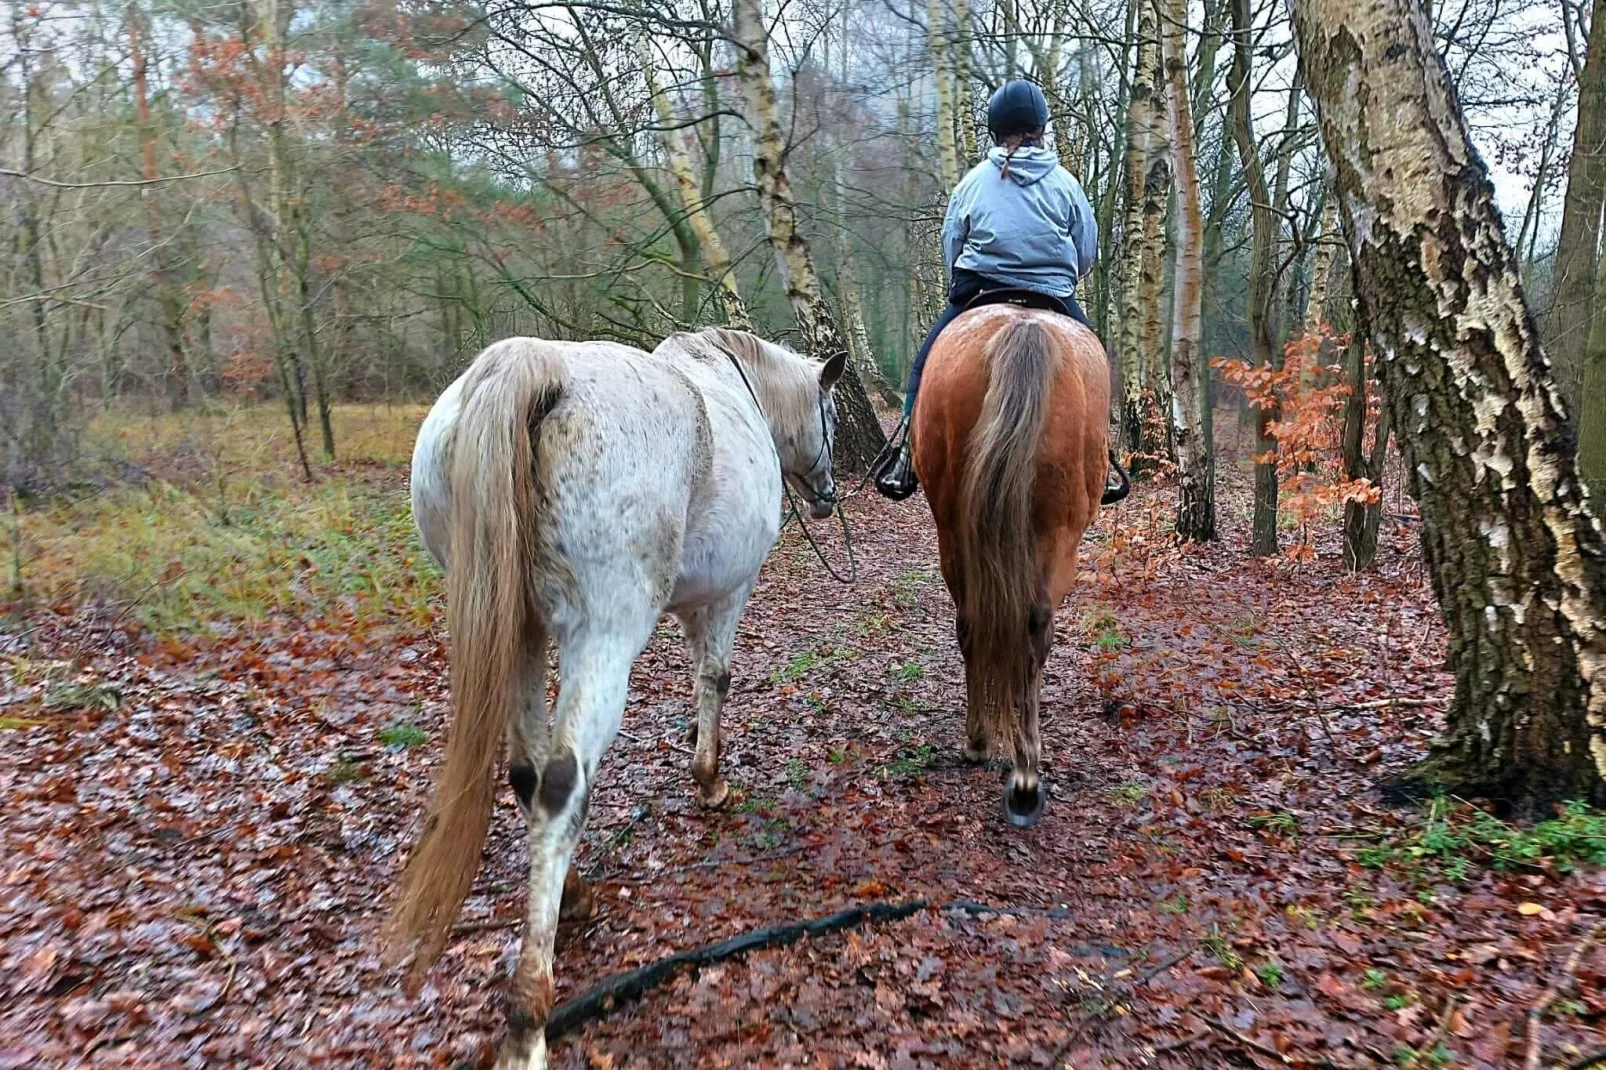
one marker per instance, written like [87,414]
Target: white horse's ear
[833,369]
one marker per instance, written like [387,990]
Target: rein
[794,513]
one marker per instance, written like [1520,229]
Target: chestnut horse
[1011,442]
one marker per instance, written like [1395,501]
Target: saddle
[1118,484]
[1010,295]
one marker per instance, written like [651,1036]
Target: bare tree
[1196,508]
[860,438]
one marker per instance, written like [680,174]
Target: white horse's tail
[494,620]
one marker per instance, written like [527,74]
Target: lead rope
[791,499]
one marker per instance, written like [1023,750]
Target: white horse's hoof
[712,798]
[523,1053]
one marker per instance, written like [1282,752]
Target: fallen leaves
[199,868]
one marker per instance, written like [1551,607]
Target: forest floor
[222,702]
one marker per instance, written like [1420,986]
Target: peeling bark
[1196,507]
[859,434]
[715,258]
[1517,560]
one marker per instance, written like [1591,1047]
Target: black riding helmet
[1017,108]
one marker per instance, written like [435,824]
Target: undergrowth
[1456,839]
[222,531]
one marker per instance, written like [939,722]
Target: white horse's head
[799,403]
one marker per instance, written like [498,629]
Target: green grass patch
[911,761]
[75,697]
[1132,794]
[225,531]
[1282,823]
[403,734]
[909,670]
[1456,840]
[1270,974]
[799,667]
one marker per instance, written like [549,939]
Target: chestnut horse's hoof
[1023,805]
[976,755]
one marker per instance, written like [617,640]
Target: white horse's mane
[787,383]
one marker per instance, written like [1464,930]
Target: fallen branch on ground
[601,998]
[1105,1006]
[1558,988]
[1269,1052]
[1589,1060]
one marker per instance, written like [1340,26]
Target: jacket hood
[1028,166]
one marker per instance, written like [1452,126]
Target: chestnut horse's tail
[494,619]
[1002,586]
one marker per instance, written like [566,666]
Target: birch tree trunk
[1149,186]
[1196,507]
[859,434]
[1129,340]
[1262,286]
[964,104]
[1322,270]
[1577,248]
[716,260]
[1517,560]
[937,43]
[1590,421]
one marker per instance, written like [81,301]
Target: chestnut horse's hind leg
[976,742]
[710,634]
[1023,798]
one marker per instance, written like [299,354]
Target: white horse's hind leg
[591,701]
[710,634]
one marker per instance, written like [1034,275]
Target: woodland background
[249,241]
[316,203]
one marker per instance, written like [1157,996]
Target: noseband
[825,451]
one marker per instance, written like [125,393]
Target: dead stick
[1105,1006]
[599,999]
[1588,1060]
[1438,1034]
[1269,1052]
[1179,1044]
[1563,982]
[465,927]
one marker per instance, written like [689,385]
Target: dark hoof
[1023,806]
[975,755]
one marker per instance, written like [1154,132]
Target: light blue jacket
[1031,228]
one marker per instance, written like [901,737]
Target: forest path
[196,869]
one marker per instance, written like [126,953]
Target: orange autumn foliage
[1308,396]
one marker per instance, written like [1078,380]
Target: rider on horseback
[1017,221]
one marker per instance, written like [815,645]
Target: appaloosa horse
[574,492]
[1011,443]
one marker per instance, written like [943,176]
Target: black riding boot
[896,479]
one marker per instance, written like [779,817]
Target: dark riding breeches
[966,287]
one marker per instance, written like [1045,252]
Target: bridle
[827,453]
